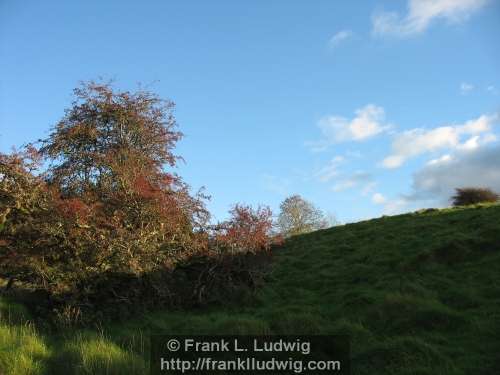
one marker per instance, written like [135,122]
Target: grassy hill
[418,293]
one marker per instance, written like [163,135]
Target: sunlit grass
[22,351]
[93,353]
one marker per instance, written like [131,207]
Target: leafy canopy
[298,216]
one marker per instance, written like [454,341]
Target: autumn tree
[247,229]
[112,148]
[108,200]
[298,216]
[25,212]
[106,135]
[107,220]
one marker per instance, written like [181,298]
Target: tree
[466,196]
[298,216]
[247,229]
[107,201]
[111,150]
[107,138]
[107,220]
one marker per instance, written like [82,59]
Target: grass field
[418,293]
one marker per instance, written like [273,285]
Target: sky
[364,108]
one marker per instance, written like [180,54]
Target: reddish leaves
[248,229]
[73,208]
[106,204]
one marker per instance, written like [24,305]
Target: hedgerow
[95,223]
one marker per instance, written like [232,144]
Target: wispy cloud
[418,141]
[359,178]
[275,184]
[392,206]
[339,38]
[368,188]
[342,180]
[492,90]
[421,13]
[331,170]
[465,88]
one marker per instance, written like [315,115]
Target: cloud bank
[438,180]
[415,142]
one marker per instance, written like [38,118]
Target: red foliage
[144,188]
[106,205]
[248,229]
[73,208]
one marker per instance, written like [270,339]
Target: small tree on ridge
[298,216]
[466,196]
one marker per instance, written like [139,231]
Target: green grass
[418,294]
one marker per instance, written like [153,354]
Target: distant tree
[466,196]
[331,220]
[298,216]
[247,229]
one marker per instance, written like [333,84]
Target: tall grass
[93,353]
[22,350]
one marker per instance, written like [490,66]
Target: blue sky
[365,109]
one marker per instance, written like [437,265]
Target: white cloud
[471,144]
[392,206]
[465,88]
[368,122]
[330,171]
[342,181]
[355,180]
[343,185]
[477,168]
[378,198]
[420,15]
[442,159]
[397,206]
[418,141]
[339,38]
[480,125]
[368,188]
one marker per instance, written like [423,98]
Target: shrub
[105,202]
[467,196]
[106,227]
[247,229]
[28,226]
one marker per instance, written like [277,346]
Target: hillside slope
[419,294]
